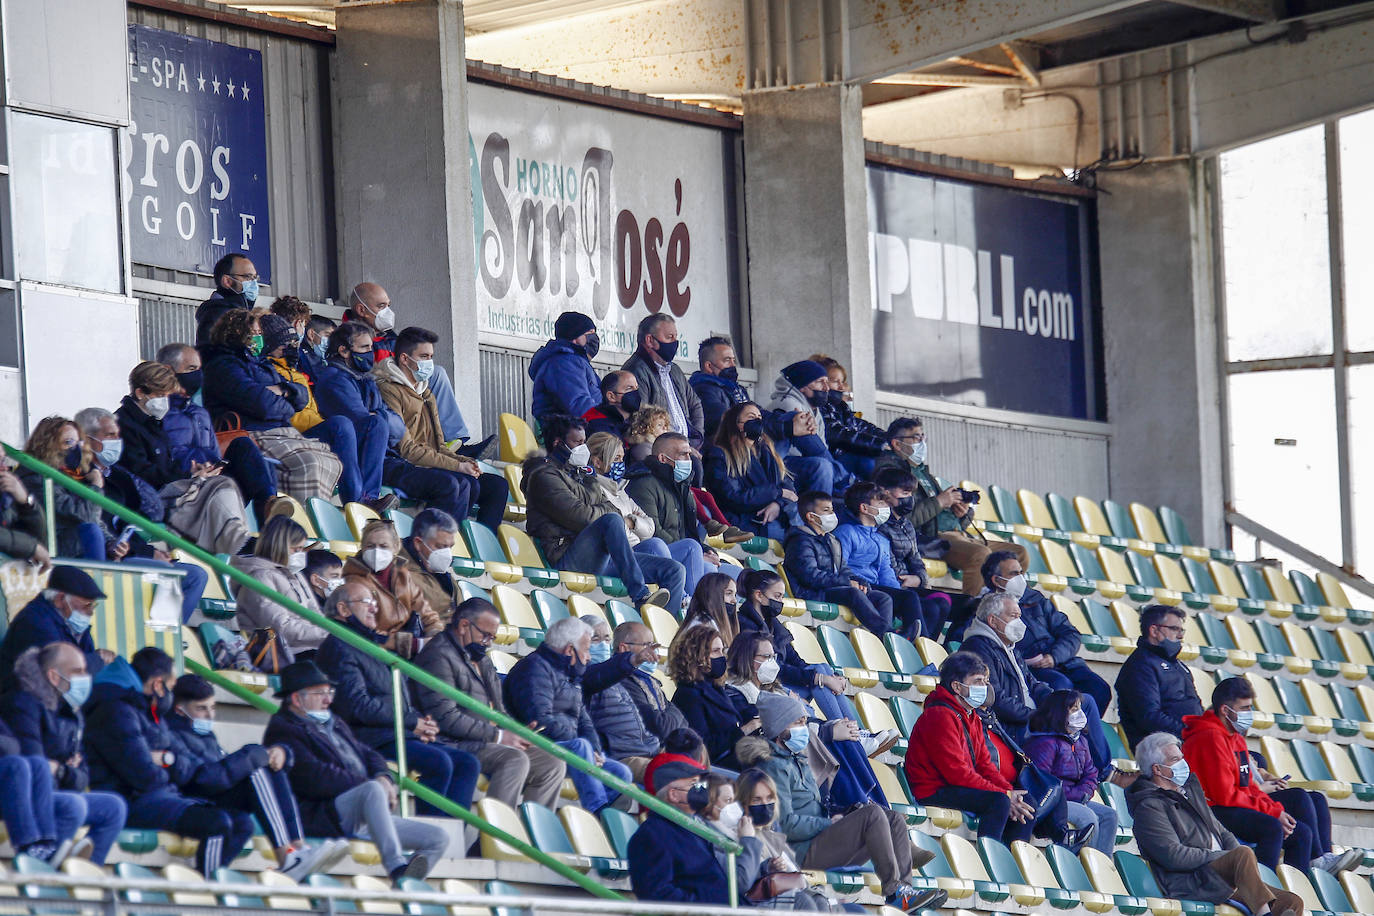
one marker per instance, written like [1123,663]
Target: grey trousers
[514,775]
[364,813]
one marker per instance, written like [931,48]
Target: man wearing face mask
[236,287]
[44,715]
[1192,855]
[1154,689]
[430,546]
[1214,746]
[577,528]
[516,771]
[619,399]
[323,572]
[251,780]
[561,374]
[625,735]
[60,613]
[661,382]
[817,569]
[717,381]
[404,381]
[800,389]
[636,641]
[869,556]
[669,863]
[128,748]
[544,690]
[370,304]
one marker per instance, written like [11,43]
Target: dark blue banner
[195,158]
[983,295]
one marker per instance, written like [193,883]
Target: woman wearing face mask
[757,798]
[696,663]
[242,390]
[80,530]
[747,475]
[278,561]
[1056,745]
[403,614]
[714,604]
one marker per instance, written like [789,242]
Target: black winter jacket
[54,733]
[362,692]
[668,502]
[121,734]
[743,497]
[844,432]
[540,688]
[208,771]
[22,527]
[220,303]
[237,382]
[814,562]
[1008,702]
[1154,692]
[147,448]
[712,715]
[319,775]
[792,671]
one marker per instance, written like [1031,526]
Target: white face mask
[1077,720]
[881,514]
[157,407]
[918,453]
[297,562]
[729,818]
[1014,630]
[829,522]
[1016,586]
[580,457]
[768,671]
[331,584]
[440,560]
[377,558]
[385,319]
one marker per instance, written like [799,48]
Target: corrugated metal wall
[300,169]
[1011,456]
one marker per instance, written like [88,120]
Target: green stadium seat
[329,520]
[421,886]
[1065,518]
[131,872]
[1323,704]
[1349,706]
[1228,583]
[337,904]
[1094,521]
[1070,874]
[1135,874]
[1199,577]
[1074,612]
[547,833]
[1311,595]
[1284,590]
[1037,514]
[1297,882]
[1123,525]
[1105,625]
[908,661]
[502,889]
[1291,696]
[873,656]
[1037,872]
[840,654]
[28,865]
[1146,575]
[1001,865]
[403,521]
[549,606]
[1305,646]
[1342,768]
[1275,642]
[1114,797]
[968,865]
[906,713]
[589,840]
[1176,530]
[1117,747]
[619,828]
[1287,758]
[505,561]
[1218,637]
[1090,567]
[1172,577]
[1330,892]
[234,899]
[1147,523]
[1010,512]
[938,868]
[620,612]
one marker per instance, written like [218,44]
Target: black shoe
[417,867]
[382,503]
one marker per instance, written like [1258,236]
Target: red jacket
[1223,765]
[937,753]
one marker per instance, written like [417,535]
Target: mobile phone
[125,535]
[219,465]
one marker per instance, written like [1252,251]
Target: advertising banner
[613,214]
[983,295]
[195,157]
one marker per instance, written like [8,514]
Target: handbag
[226,434]
[230,654]
[775,884]
[267,653]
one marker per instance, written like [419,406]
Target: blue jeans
[256,479]
[811,473]
[27,801]
[104,813]
[593,793]
[447,490]
[873,608]
[360,451]
[450,416]
[603,546]
[687,553]
[1076,675]
[442,767]
[832,705]
[192,584]
[1083,813]
[92,541]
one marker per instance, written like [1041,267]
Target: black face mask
[592,346]
[162,705]
[362,362]
[772,608]
[292,355]
[698,797]
[631,401]
[836,398]
[717,668]
[904,506]
[730,374]
[753,430]
[762,815]
[667,351]
[72,460]
[818,398]
[476,651]
[191,381]
[576,668]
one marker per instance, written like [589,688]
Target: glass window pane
[1357,228]
[1361,390]
[1274,242]
[1283,455]
[66,216]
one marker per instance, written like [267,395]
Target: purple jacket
[1067,759]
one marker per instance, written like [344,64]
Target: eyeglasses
[641,645]
[319,692]
[1176,630]
[486,637]
[365,602]
[914,437]
[245,276]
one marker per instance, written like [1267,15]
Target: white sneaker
[305,861]
[874,745]
[1337,862]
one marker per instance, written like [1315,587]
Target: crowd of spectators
[641,469]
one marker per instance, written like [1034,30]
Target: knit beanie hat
[571,325]
[777,712]
[803,372]
[275,332]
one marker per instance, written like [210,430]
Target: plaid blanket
[308,468]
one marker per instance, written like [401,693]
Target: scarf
[980,628]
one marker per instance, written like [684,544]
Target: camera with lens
[968,497]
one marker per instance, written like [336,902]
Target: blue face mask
[321,349]
[424,368]
[977,695]
[78,690]
[319,715]
[798,739]
[616,471]
[78,622]
[682,469]
[600,652]
[250,290]
[110,450]
[202,726]
[1180,772]
[648,667]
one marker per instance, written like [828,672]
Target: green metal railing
[416,674]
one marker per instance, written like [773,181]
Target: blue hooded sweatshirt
[564,380]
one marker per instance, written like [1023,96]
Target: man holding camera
[945,514]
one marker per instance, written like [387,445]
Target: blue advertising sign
[983,295]
[195,156]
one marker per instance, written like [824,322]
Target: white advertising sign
[605,212]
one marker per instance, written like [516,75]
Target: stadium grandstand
[661,457]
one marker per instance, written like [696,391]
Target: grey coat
[1174,832]
[645,371]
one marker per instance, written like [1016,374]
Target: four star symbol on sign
[236,90]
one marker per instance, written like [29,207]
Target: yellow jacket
[310,415]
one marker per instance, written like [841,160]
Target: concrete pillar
[806,207]
[1160,339]
[404,191]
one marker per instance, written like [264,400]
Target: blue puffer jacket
[814,562]
[717,396]
[237,382]
[613,710]
[741,498]
[540,689]
[121,735]
[38,624]
[341,392]
[362,692]
[191,434]
[208,771]
[1048,631]
[51,733]
[564,380]
[868,553]
[1008,702]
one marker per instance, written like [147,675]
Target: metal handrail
[415,673]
